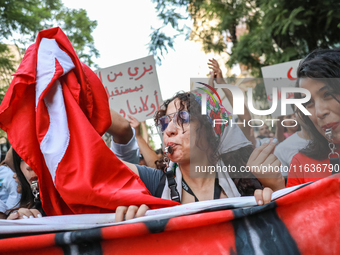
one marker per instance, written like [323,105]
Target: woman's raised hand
[24,213]
[130,212]
[135,124]
[266,167]
[216,72]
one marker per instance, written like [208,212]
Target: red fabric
[308,216]
[301,170]
[89,178]
[311,216]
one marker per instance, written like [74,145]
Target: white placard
[280,75]
[133,88]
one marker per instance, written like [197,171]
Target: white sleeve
[13,195]
[3,207]
[128,152]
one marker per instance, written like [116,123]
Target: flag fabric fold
[304,221]
[54,113]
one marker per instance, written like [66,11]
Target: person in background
[160,162]
[8,187]
[159,153]
[142,160]
[216,75]
[264,132]
[248,131]
[148,154]
[28,206]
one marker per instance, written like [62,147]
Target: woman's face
[19,188]
[264,130]
[178,138]
[28,172]
[324,108]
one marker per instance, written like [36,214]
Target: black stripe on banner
[156,226]
[262,233]
[80,242]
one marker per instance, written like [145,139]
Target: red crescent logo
[290,77]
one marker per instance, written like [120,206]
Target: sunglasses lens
[163,123]
[182,118]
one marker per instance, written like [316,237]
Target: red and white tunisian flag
[54,113]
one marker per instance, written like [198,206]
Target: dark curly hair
[245,185]
[204,129]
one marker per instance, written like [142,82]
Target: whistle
[168,150]
[328,133]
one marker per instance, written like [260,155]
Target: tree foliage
[276,30]
[21,20]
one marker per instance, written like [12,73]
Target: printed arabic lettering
[117,92]
[145,70]
[153,107]
[145,107]
[128,105]
[131,74]
[156,100]
[116,75]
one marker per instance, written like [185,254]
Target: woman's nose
[171,129]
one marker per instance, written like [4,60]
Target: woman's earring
[333,155]
[35,190]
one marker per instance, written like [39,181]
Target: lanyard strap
[336,164]
[217,189]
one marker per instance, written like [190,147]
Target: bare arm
[149,155]
[132,167]
[120,128]
[216,72]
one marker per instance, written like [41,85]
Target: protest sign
[280,75]
[132,88]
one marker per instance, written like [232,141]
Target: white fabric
[9,196]
[3,207]
[56,140]
[286,150]
[127,152]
